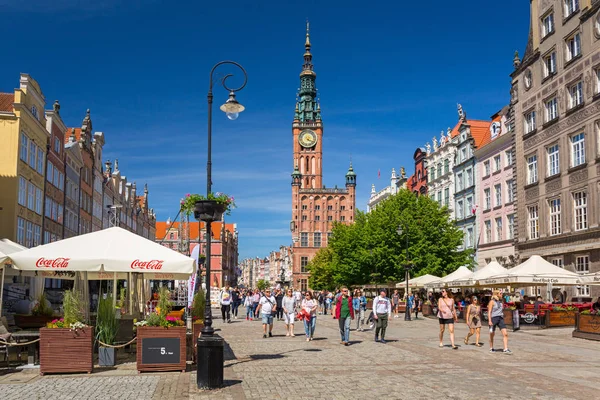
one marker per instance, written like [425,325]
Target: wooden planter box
[587,327]
[33,321]
[197,329]
[561,318]
[426,310]
[161,349]
[64,350]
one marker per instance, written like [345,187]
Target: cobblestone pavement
[545,364]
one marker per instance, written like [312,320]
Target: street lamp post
[210,346]
[407,268]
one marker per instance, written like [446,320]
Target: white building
[396,183]
[440,165]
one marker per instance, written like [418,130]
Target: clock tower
[314,207]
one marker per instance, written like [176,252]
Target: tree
[320,268]
[371,248]
[262,284]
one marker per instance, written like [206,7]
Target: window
[37,235]
[498,194]
[547,25]
[329,208]
[439,169]
[576,95]
[555,226]
[431,174]
[487,195]
[21,231]
[488,231]
[459,209]
[31,196]
[571,6]
[317,207]
[439,198]
[317,239]
[469,205]
[578,149]
[583,290]
[469,173]
[597,78]
[329,218]
[57,145]
[342,218]
[22,191]
[459,182]
[304,239]
[532,173]
[447,162]
[317,217]
[39,196]
[497,163]
[510,193]
[28,234]
[499,228]
[549,64]
[303,264]
[304,207]
[34,111]
[469,242]
[40,161]
[558,261]
[553,160]
[580,210]
[50,172]
[24,147]
[486,168]
[342,208]
[446,197]
[533,222]
[511,226]
[530,122]
[551,109]
[508,157]
[463,154]
[303,285]
[304,217]
[32,154]
[48,210]
[582,264]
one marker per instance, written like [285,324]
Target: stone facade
[417,183]
[555,92]
[440,169]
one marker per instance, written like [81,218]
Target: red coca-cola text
[152,264]
[59,262]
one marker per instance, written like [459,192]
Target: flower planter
[560,318]
[197,329]
[66,350]
[106,356]
[32,321]
[209,210]
[426,310]
[161,349]
[588,327]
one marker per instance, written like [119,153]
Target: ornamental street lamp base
[210,362]
[407,315]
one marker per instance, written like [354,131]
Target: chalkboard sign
[161,350]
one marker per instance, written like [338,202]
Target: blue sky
[389,76]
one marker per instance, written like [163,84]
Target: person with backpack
[225,301]
[279,299]
[266,306]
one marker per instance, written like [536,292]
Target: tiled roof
[69,132]
[6,102]
[161,229]
[480,131]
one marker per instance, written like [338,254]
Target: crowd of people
[293,306]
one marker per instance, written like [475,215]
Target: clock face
[307,138]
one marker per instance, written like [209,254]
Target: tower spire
[308,110]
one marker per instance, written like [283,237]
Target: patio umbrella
[492,269]
[418,282]
[460,273]
[534,272]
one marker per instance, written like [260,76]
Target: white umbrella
[492,269]
[460,273]
[109,250]
[7,247]
[535,271]
[418,282]
[590,279]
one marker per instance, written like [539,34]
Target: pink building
[496,193]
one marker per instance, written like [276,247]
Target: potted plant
[207,208]
[562,316]
[161,339]
[41,314]
[588,325]
[107,327]
[198,312]
[66,344]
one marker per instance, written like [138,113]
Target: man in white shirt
[267,306]
[225,301]
[382,310]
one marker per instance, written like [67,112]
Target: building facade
[397,182]
[440,169]
[496,194]
[97,182]
[73,170]
[83,137]
[417,183]
[555,92]
[314,207]
[22,162]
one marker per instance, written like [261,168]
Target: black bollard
[210,362]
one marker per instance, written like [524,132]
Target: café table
[28,336]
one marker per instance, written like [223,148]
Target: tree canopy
[372,250]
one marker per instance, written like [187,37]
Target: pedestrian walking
[249,307]
[446,316]
[356,306]
[382,311]
[266,306]
[344,312]
[309,305]
[235,302]
[328,300]
[225,300]
[395,302]
[474,320]
[410,302]
[279,299]
[360,314]
[417,304]
[255,300]
[496,319]
[289,312]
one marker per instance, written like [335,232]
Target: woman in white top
[310,305]
[289,312]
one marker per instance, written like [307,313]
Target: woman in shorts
[446,316]
[474,320]
[289,312]
[496,319]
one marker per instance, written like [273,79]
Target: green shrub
[73,308]
[107,325]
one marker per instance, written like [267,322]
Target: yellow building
[23,147]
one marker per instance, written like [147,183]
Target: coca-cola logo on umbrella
[59,262]
[152,264]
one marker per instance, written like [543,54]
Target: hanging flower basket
[207,208]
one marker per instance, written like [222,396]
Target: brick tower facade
[314,207]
